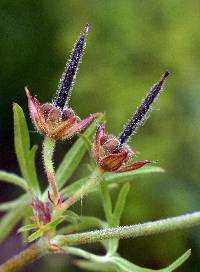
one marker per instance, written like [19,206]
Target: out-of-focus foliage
[129,45]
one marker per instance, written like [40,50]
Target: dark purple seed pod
[67,79]
[139,115]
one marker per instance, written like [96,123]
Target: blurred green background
[129,46]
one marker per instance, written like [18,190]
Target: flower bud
[41,211]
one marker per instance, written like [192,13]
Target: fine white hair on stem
[140,115]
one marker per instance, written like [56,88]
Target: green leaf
[28,227]
[127,176]
[72,188]
[109,178]
[53,223]
[86,223]
[115,221]
[73,157]
[71,216]
[9,220]
[32,169]
[106,201]
[91,165]
[178,262]
[119,206]
[123,265]
[42,229]
[86,141]
[25,221]
[94,266]
[25,156]
[23,200]
[13,179]
[35,236]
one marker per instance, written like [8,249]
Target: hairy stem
[93,180]
[41,248]
[132,231]
[48,149]
[25,257]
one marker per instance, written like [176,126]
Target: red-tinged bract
[53,122]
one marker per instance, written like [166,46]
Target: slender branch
[93,180]
[107,260]
[84,254]
[132,231]
[25,257]
[41,248]
[48,149]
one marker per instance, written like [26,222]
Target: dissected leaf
[116,216]
[71,216]
[32,169]
[86,223]
[13,179]
[22,140]
[177,262]
[9,220]
[107,206]
[25,156]
[119,206]
[123,265]
[41,229]
[16,210]
[106,201]
[127,176]
[28,227]
[94,266]
[73,157]
[72,188]
[87,142]
[25,221]
[53,223]
[35,236]
[110,178]
[23,200]
[91,165]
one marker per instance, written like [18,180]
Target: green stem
[84,254]
[111,261]
[48,149]
[132,231]
[25,257]
[93,180]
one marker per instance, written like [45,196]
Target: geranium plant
[49,224]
